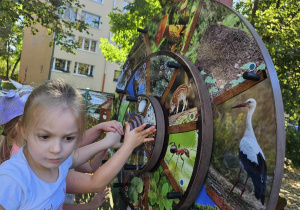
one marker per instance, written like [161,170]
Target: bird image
[251,157]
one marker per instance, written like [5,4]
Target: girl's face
[53,139]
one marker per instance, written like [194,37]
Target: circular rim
[279,113]
[159,135]
[204,127]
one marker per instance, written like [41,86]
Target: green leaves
[202,72]
[231,20]
[136,187]
[30,13]
[236,82]
[165,189]
[277,22]
[293,146]
[261,67]
[213,90]
[111,52]
[124,26]
[133,195]
[159,187]
[210,80]
[11,37]
[156,176]
[137,183]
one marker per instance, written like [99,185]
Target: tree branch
[277,4]
[253,15]
[15,66]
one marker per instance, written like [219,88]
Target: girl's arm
[90,136]
[111,168]
[93,165]
[101,178]
[79,187]
[83,154]
[95,132]
[96,202]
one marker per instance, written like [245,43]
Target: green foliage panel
[158,189]
[180,165]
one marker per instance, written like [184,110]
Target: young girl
[11,109]
[52,126]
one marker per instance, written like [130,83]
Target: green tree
[124,26]
[277,22]
[11,37]
[293,146]
[163,3]
[30,13]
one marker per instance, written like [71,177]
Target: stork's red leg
[242,191]
[236,181]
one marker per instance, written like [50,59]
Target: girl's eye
[69,138]
[44,137]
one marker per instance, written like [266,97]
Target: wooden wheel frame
[202,125]
[188,36]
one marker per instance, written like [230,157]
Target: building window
[70,39]
[67,13]
[98,1]
[87,44]
[84,69]
[116,75]
[125,4]
[61,65]
[110,36]
[92,20]
[93,46]
[80,41]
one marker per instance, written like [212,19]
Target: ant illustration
[178,151]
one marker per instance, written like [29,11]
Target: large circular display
[218,91]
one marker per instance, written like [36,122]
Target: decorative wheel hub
[145,109]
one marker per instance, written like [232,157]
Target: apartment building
[86,69]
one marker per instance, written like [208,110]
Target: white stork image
[251,157]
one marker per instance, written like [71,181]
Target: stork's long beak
[240,105]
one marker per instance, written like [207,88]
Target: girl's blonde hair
[11,131]
[51,95]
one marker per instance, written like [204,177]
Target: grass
[290,188]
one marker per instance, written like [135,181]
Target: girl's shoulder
[16,167]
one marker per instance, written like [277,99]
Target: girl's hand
[112,126]
[99,199]
[113,140]
[137,136]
